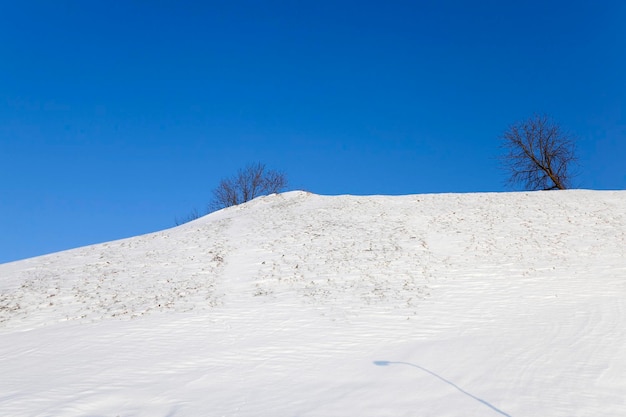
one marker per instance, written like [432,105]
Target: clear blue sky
[116,117]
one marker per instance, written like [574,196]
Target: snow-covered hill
[508,304]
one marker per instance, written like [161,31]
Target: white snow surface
[487,304]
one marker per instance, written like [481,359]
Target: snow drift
[302,305]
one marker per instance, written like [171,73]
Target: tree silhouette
[539,154]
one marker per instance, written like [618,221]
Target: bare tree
[193,215]
[539,154]
[250,182]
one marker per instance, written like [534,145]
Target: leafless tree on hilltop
[539,154]
[250,182]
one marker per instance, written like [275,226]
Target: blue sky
[117,117]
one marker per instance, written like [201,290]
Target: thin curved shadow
[480,400]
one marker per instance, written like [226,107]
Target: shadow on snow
[480,400]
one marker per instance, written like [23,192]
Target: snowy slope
[509,304]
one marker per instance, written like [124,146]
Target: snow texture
[509,304]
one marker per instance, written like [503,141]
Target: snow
[494,304]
